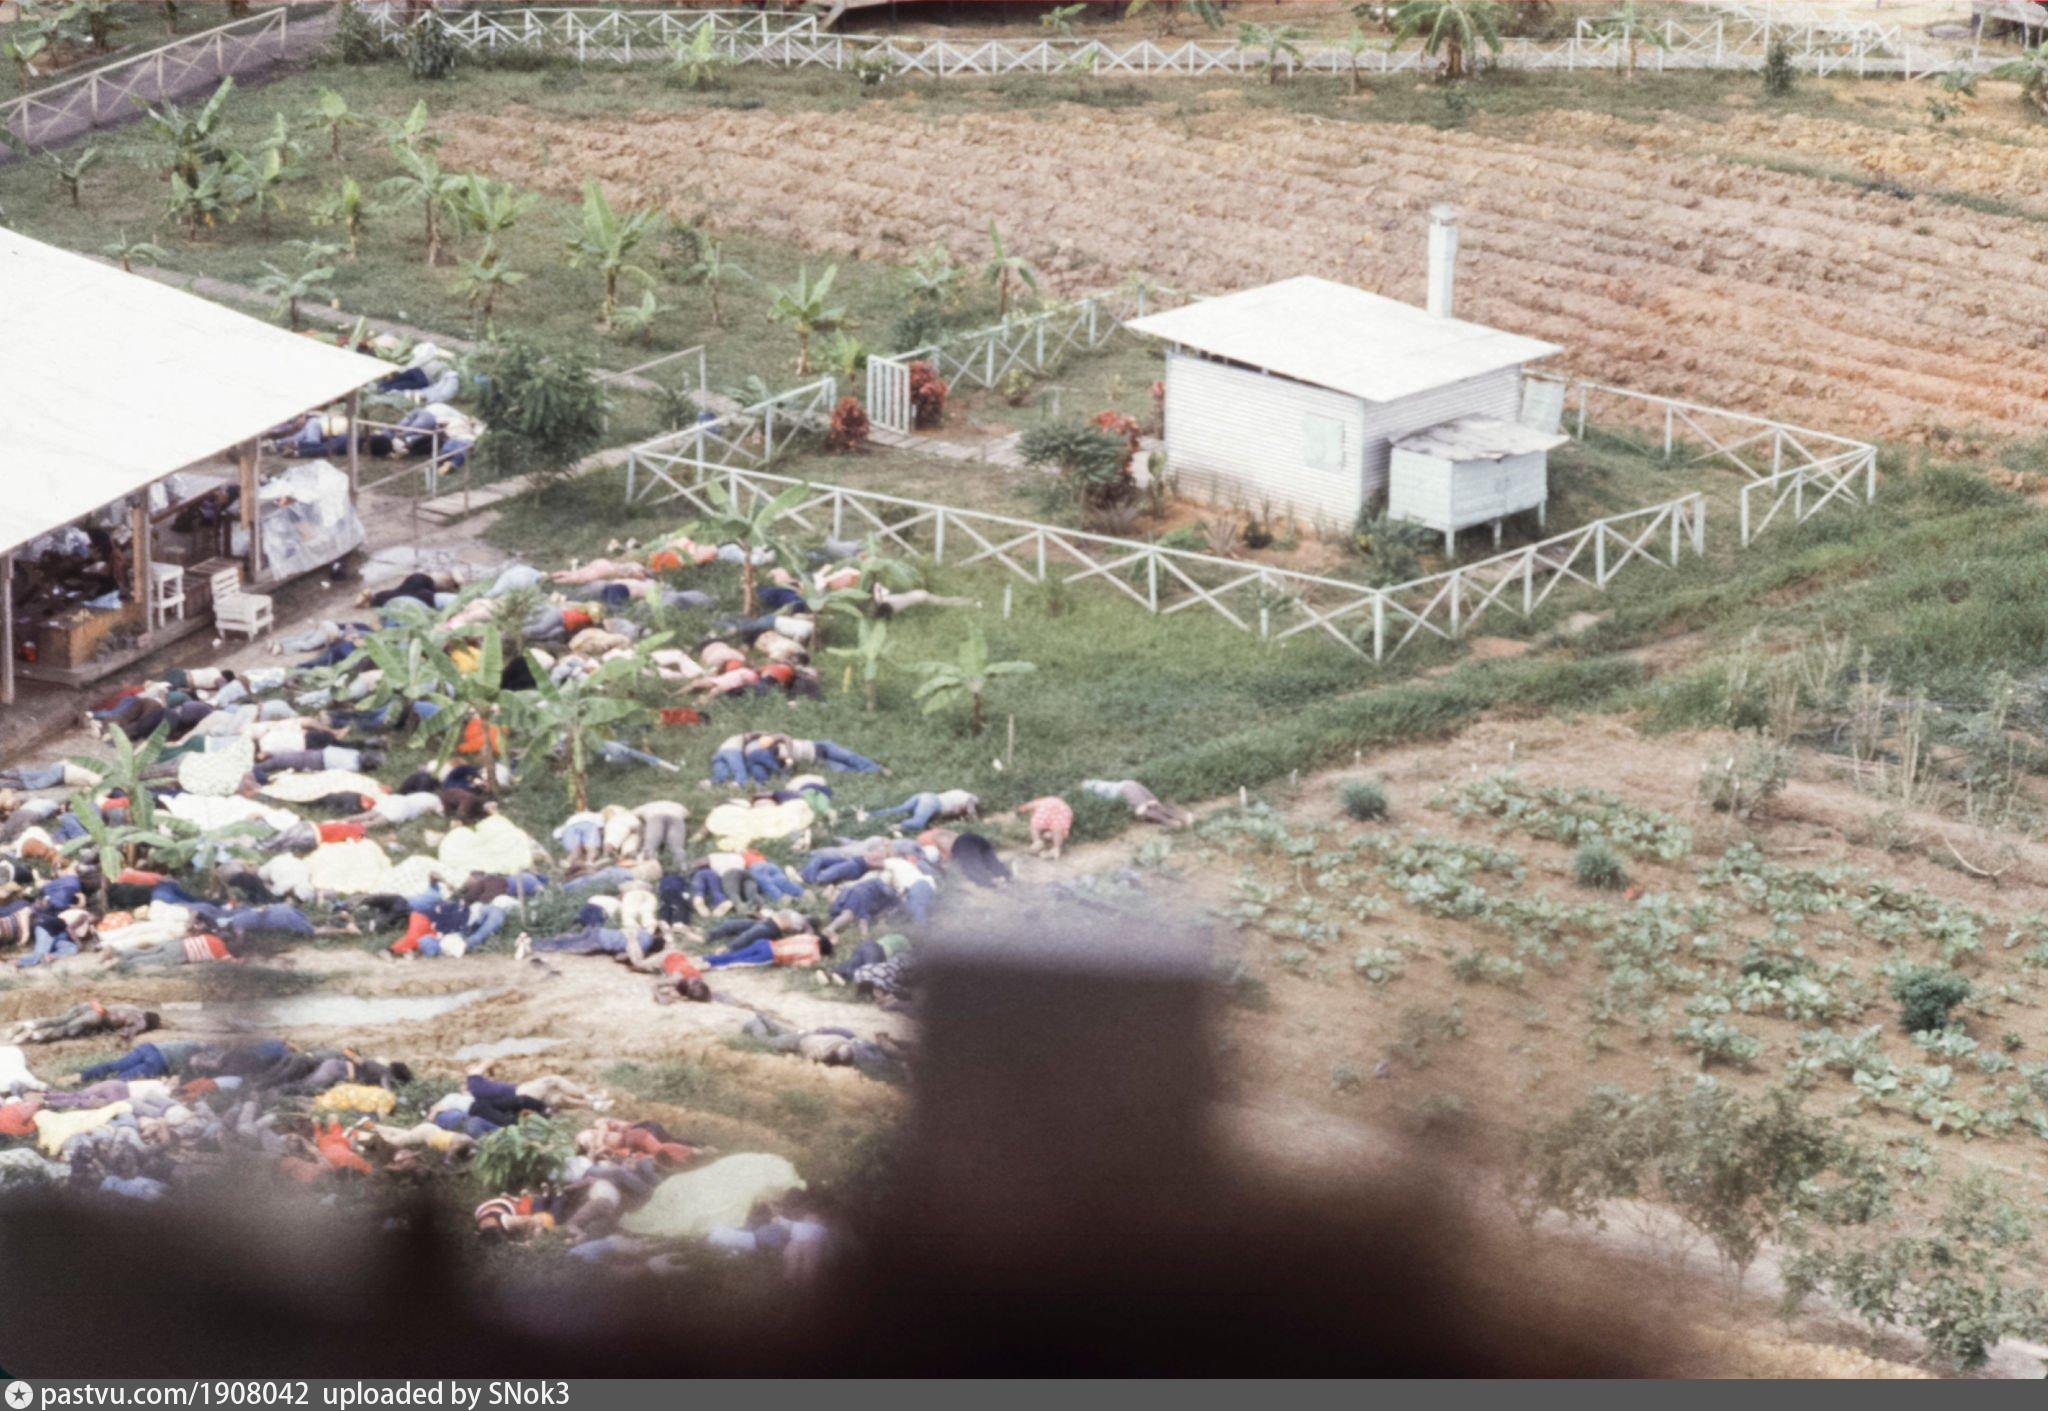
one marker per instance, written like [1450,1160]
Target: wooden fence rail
[1732,41]
[59,110]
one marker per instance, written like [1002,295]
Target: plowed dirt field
[1670,257]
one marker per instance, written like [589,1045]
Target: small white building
[1294,393]
[1474,470]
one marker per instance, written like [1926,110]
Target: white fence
[752,436]
[61,110]
[1036,344]
[1784,465]
[1738,40]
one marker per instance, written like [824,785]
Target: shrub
[1094,464]
[1364,800]
[429,48]
[1926,994]
[544,410]
[524,1155]
[1742,783]
[927,395]
[1596,864]
[1779,75]
[849,429]
[355,39]
[1015,386]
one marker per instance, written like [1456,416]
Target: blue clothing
[142,1061]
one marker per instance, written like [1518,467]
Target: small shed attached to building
[1474,470]
[1294,393]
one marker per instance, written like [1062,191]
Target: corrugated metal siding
[1235,435]
[1496,394]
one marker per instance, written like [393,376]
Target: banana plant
[1275,42]
[421,182]
[71,174]
[258,182]
[966,677]
[755,531]
[636,321]
[807,307]
[604,239]
[564,716]
[1004,271]
[714,269]
[348,208]
[130,253]
[865,656]
[192,140]
[289,290]
[331,113]
[481,282]
[697,62]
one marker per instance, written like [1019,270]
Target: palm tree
[71,174]
[482,281]
[966,677]
[605,241]
[1453,28]
[420,182]
[1273,41]
[129,253]
[290,290]
[331,111]
[1003,269]
[806,307]
[2030,72]
[1633,29]
[753,530]
[866,656]
[347,208]
[714,269]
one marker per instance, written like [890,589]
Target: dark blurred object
[1062,1204]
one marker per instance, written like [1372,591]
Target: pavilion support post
[7,629]
[246,459]
[355,454]
[138,529]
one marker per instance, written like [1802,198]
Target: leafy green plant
[1281,44]
[2030,72]
[605,240]
[523,1156]
[1780,76]
[430,49]
[561,718]
[330,113]
[1596,864]
[756,528]
[866,656]
[698,62]
[1631,27]
[287,290]
[1364,800]
[70,171]
[966,677]
[130,253]
[1744,783]
[545,410]
[1927,994]
[1454,29]
[348,208]
[1006,273]
[421,181]
[713,269]
[807,307]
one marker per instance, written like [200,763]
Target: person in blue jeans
[142,1061]
[837,756]
[923,809]
[30,780]
[831,869]
[774,882]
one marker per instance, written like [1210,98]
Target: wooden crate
[73,639]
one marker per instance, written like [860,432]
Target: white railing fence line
[756,435]
[1790,464]
[1737,41]
[1274,603]
[1036,344]
[111,89]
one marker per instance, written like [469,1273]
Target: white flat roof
[1332,335]
[110,381]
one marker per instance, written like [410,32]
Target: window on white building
[1322,438]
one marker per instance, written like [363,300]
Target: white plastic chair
[237,611]
[167,593]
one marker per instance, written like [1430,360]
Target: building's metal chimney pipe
[1443,258]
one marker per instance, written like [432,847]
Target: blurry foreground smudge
[1060,1204]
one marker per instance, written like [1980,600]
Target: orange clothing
[665,561]
[680,966]
[796,950]
[332,1141]
[418,930]
[338,832]
[472,742]
[681,715]
[18,1119]
[574,620]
